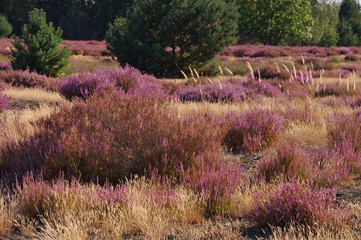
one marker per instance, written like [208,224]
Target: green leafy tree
[325,15]
[276,21]
[163,37]
[5,27]
[38,48]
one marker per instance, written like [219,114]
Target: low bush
[253,130]
[26,79]
[3,100]
[271,72]
[344,139]
[291,162]
[215,182]
[128,79]
[297,203]
[288,163]
[113,137]
[351,57]
[4,66]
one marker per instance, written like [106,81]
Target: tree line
[274,22]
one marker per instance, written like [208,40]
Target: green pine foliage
[5,27]
[164,37]
[38,48]
[349,26]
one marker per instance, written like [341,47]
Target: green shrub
[329,38]
[5,27]
[37,49]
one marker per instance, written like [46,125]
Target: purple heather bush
[253,130]
[351,57]
[3,100]
[26,79]
[216,182]
[127,79]
[345,139]
[4,66]
[298,203]
[271,72]
[226,91]
[38,197]
[292,162]
[113,137]
[344,51]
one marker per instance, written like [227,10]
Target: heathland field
[269,148]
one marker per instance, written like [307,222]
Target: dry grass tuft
[33,95]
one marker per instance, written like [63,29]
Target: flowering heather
[128,79]
[5,45]
[113,137]
[351,57]
[3,100]
[4,66]
[225,92]
[216,182]
[254,130]
[291,162]
[344,51]
[27,79]
[297,203]
[271,72]
[92,47]
[344,139]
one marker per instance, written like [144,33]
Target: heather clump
[296,202]
[251,131]
[292,162]
[351,57]
[273,72]
[224,92]
[3,100]
[215,182]
[113,137]
[128,79]
[26,79]
[4,66]
[289,162]
[344,139]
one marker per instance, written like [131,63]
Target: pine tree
[38,48]
[5,27]
[163,37]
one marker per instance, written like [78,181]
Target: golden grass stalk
[194,79]
[220,70]
[278,68]
[294,70]
[8,213]
[220,84]
[184,75]
[302,80]
[303,60]
[285,67]
[191,71]
[229,71]
[249,66]
[347,85]
[209,80]
[195,70]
